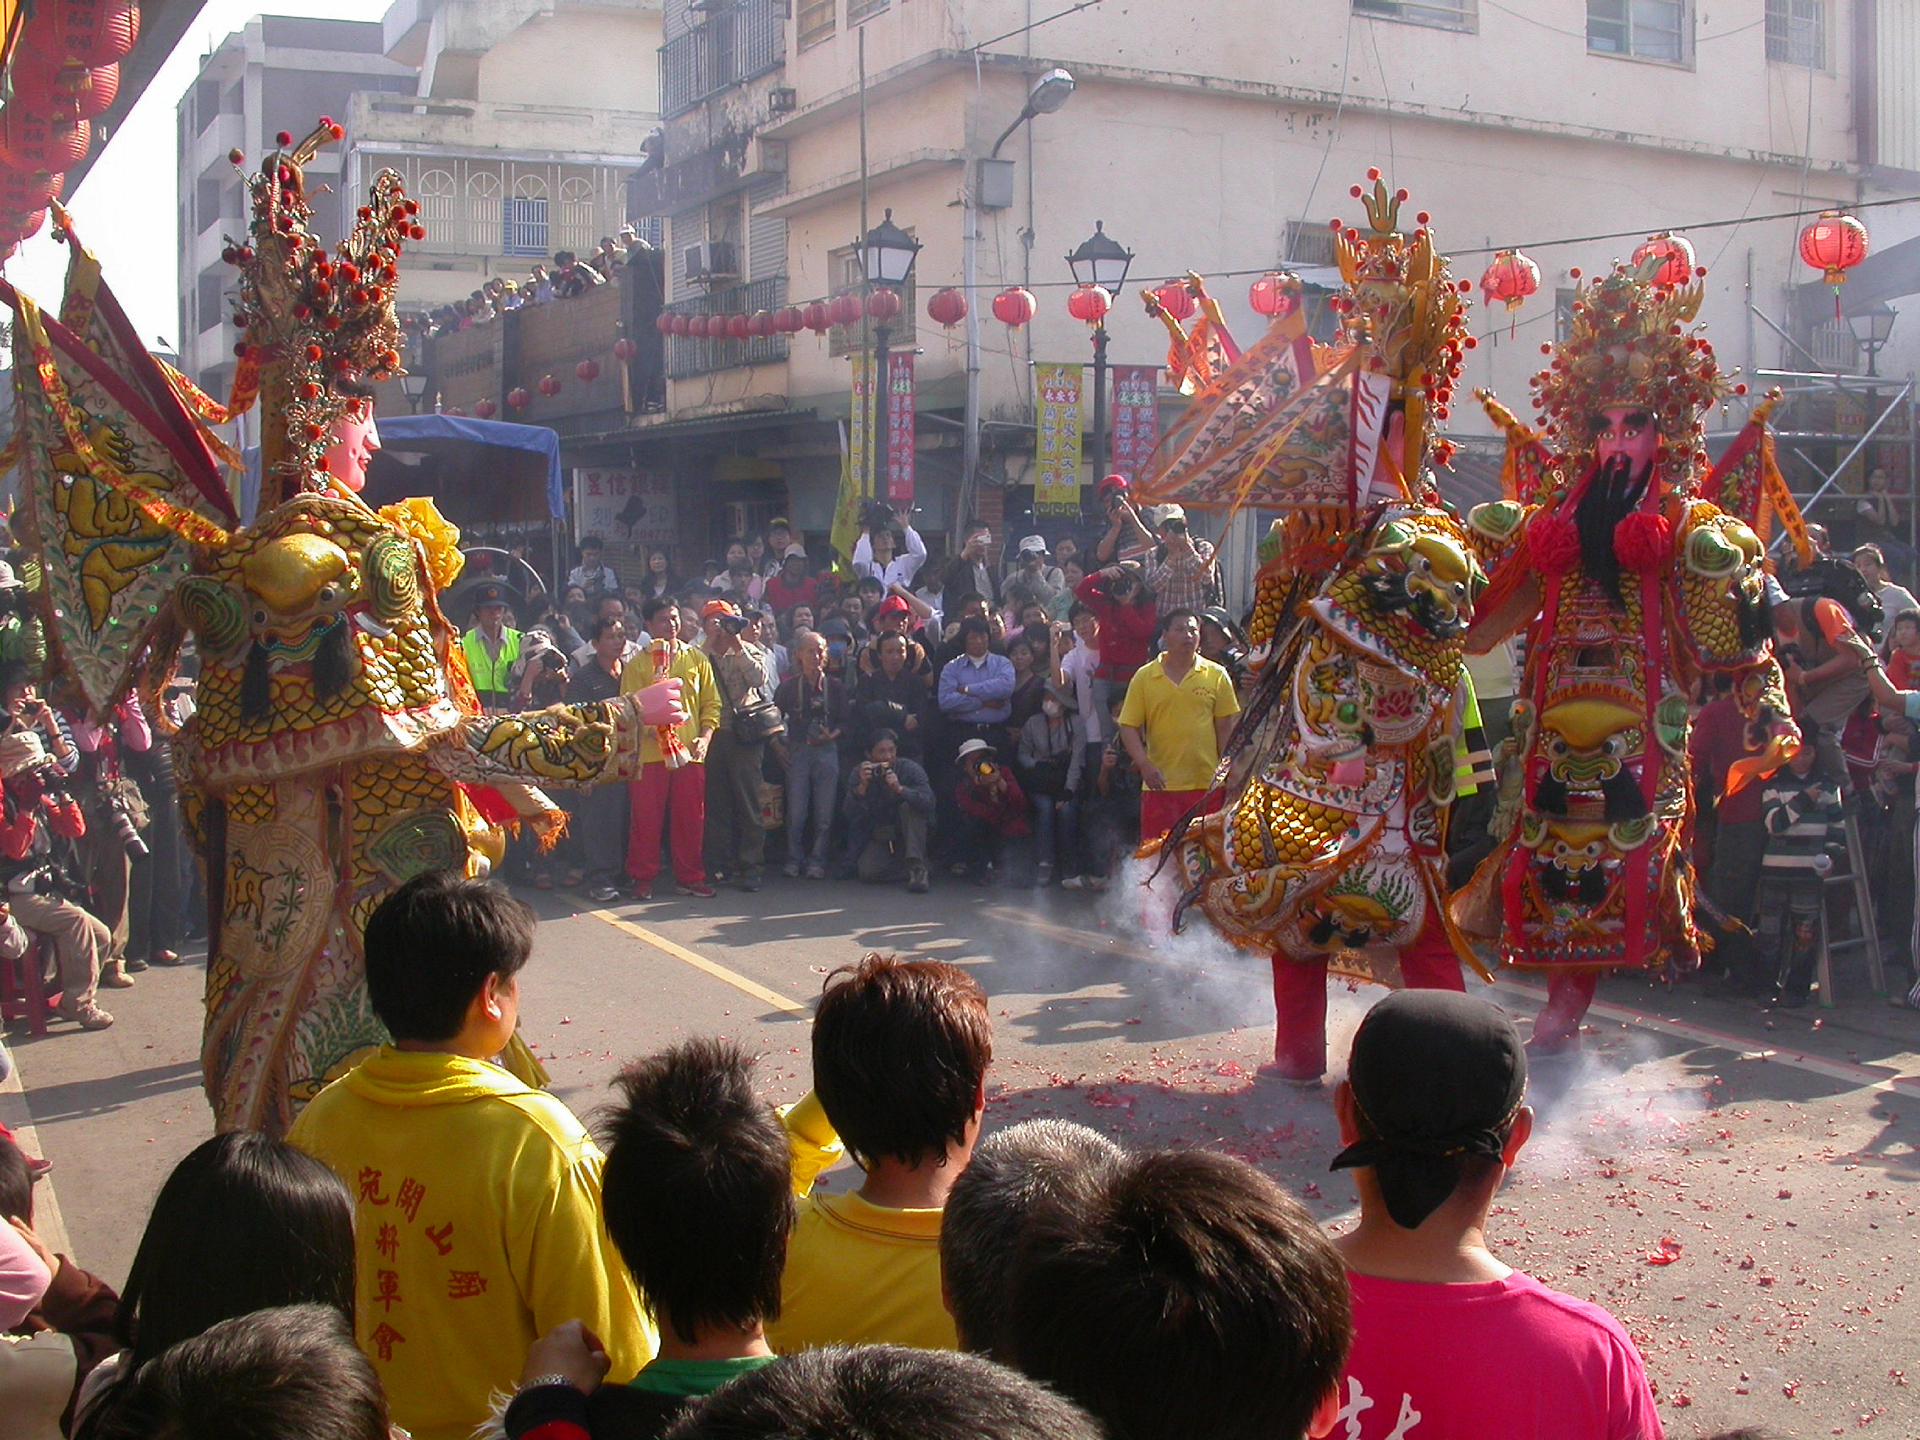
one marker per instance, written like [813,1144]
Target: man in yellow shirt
[900,1056]
[477,1212]
[1178,713]
[678,794]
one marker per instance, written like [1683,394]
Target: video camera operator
[889,805]
[36,756]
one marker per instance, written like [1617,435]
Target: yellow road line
[702,964]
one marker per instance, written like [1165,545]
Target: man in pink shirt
[1448,1343]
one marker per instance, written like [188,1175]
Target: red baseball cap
[894,605]
[1112,482]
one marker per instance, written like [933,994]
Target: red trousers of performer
[1300,997]
[676,795]
[1569,993]
[1160,810]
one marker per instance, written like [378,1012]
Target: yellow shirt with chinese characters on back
[477,1228]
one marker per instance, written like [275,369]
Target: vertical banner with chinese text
[901,459]
[1136,419]
[860,424]
[1056,476]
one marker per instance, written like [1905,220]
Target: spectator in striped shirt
[1184,580]
[1801,812]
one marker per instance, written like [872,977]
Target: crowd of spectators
[567,277]
[437,1247]
[893,718]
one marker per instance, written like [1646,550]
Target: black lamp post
[887,254]
[1872,328]
[1101,261]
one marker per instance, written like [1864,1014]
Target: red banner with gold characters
[1136,419]
[901,459]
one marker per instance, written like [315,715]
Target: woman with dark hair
[1222,642]
[245,1222]
[658,578]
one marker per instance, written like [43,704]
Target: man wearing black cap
[1432,1119]
[492,649]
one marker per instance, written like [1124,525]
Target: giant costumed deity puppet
[1327,846]
[1633,569]
[338,748]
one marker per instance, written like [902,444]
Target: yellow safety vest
[490,673]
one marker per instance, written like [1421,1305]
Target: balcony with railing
[688,356]
[211,147]
[735,41]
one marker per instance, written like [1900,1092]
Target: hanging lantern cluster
[1014,307]
[1089,303]
[1510,280]
[1674,254]
[1833,243]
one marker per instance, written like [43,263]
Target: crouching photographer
[36,808]
[116,814]
[888,803]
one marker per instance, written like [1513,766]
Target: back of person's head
[1038,1170]
[291,1373]
[900,1056]
[1434,1084]
[884,1392]
[1195,1300]
[698,1188]
[244,1222]
[431,945]
[16,1183]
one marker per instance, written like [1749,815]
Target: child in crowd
[1035,1172]
[1432,1119]
[1192,1298]
[885,1392]
[900,1056]
[477,1220]
[699,1199]
[1801,811]
[285,1374]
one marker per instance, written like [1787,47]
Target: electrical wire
[1044,20]
[1333,129]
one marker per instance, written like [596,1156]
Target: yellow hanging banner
[1056,475]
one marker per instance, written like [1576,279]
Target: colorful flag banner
[860,425]
[846,508]
[901,460]
[1056,476]
[1136,419]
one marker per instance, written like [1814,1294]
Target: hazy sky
[125,207]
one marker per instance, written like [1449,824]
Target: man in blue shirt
[976,688]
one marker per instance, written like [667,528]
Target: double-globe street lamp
[887,254]
[1100,268]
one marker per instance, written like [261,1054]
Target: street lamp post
[887,254]
[1101,261]
[1872,328]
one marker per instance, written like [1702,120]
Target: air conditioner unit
[712,261]
[783,99]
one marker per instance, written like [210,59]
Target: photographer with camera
[1125,610]
[36,756]
[1188,578]
[1126,535]
[22,638]
[888,802]
[993,811]
[116,813]
[877,555]
[815,706]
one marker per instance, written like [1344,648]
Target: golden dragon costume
[1634,569]
[338,748]
[1327,849]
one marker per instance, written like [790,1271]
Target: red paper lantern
[518,397]
[1176,300]
[588,370]
[93,32]
[760,324]
[737,326]
[1089,303]
[663,322]
[816,317]
[1014,307]
[1833,244]
[884,304]
[16,227]
[947,307]
[68,89]
[788,321]
[1675,253]
[625,349]
[844,310]
[32,141]
[549,386]
[682,326]
[485,409]
[23,192]
[1510,279]
[1273,294]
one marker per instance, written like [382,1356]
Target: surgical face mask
[836,648]
[1051,709]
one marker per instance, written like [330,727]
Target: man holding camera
[1126,536]
[889,806]
[815,706]
[993,810]
[1185,579]
[36,755]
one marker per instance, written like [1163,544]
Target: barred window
[815,21]
[1797,32]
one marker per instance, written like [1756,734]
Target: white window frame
[1434,14]
[1631,26]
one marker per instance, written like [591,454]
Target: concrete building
[278,73]
[1221,143]
[518,138]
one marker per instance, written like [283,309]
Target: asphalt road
[1739,1189]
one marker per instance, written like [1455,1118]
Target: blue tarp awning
[449,436]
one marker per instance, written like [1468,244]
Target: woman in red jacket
[1124,606]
